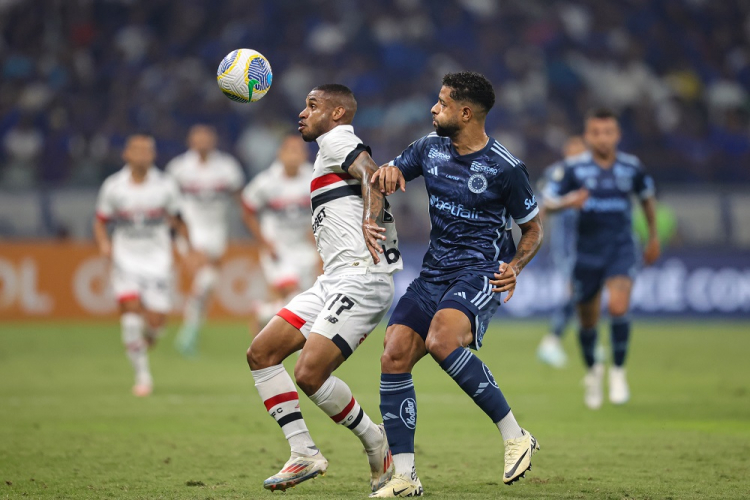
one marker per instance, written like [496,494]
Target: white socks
[404,464]
[203,284]
[279,394]
[335,399]
[509,428]
[132,336]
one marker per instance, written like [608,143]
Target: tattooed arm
[531,239]
[363,167]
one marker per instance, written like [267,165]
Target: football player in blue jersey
[606,253]
[476,189]
[560,228]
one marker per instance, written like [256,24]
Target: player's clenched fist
[505,280]
[389,178]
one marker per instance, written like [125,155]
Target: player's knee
[440,343]
[259,358]
[617,308]
[395,361]
[308,378]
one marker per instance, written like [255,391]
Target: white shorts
[155,293]
[343,308]
[211,243]
[294,266]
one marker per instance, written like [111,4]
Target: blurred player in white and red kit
[209,179]
[143,205]
[277,214]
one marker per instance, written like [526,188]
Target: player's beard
[446,129]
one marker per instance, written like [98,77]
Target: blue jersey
[560,226]
[473,200]
[606,218]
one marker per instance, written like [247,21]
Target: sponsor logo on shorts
[409,413]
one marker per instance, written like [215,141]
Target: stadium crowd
[678,71]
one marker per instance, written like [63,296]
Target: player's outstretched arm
[363,168]
[653,248]
[575,199]
[102,238]
[388,178]
[531,239]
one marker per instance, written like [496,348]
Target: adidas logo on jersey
[434,153]
[461,294]
[433,171]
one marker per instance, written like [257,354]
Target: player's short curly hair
[471,86]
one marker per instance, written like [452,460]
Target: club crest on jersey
[477,183]
[408,413]
[488,374]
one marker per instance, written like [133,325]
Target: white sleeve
[105,206]
[236,175]
[174,197]
[253,196]
[337,147]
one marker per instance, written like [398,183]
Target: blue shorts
[470,293]
[590,274]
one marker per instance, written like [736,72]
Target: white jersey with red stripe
[207,188]
[141,243]
[337,206]
[282,204]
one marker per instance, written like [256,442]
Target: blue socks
[398,405]
[561,317]
[587,338]
[477,381]
[620,339]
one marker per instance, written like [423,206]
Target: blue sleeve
[410,160]
[643,184]
[562,180]
[519,197]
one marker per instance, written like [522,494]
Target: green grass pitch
[69,427]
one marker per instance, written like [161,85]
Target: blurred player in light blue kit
[606,253]
[562,244]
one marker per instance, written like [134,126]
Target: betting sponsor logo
[318,220]
[454,209]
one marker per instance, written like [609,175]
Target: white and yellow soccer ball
[244,75]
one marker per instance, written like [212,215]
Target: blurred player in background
[331,319]
[560,228]
[477,189]
[208,179]
[143,204]
[277,214]
[606,253]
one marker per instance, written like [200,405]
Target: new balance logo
[461,294]
[433,171]
[332,319]
[482,387]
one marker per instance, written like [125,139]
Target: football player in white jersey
[345,304]
[143,204]
[277,213]
[208,179]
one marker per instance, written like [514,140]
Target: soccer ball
[244,75]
